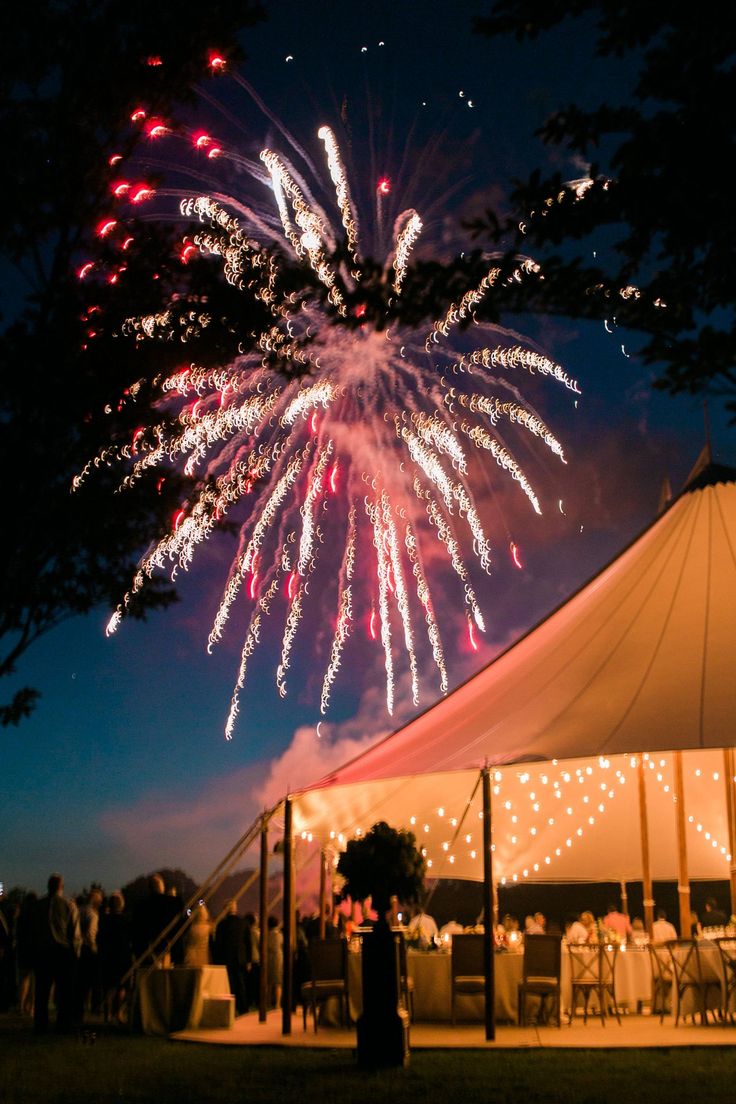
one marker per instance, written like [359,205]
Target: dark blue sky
[123,767]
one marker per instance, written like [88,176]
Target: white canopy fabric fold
[641,658]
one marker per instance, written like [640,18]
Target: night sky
[123,767]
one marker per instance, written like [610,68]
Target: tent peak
[706,473]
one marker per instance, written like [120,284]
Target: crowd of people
[79,953]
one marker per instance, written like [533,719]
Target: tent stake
[683,887]
[646,873]
[288,936]
[488,930]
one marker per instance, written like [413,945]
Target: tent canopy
[563,821]
[639,660]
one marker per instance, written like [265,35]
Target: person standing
[152,916]
[232,950]
[24,952]
[275,949]
[90,996]
[116,955]
[57,942]
[197,939]
[253,967]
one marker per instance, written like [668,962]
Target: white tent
[637,661]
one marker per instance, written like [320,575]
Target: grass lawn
[120,1067]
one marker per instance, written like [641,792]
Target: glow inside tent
[640,660]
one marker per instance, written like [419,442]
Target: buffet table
[173,999]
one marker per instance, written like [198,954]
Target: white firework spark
[345,476]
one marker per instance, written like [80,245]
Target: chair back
[691,968]
[727,949]
[661,963]
[466,958]
[328,959]
[608,953]
[542,957]
[584,964]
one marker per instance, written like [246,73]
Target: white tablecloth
[432,977]
[172,1000]
[431,974]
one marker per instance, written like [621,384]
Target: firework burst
[342,449]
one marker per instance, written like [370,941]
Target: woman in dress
[197,939]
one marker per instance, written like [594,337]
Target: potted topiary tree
[384,863]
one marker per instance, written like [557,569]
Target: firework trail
[346,481]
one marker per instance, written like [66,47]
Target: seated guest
[423,927]
[532,925]
[587,919]
[575,931]
[452,927]
[696,930]
[713,917]
[617,922]
[513,935]
[662,930]
[638,931]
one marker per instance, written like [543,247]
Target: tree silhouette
[656,192]
[71,72]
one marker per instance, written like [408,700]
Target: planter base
[383,1040]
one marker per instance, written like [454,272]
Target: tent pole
[288,934]
[322,892]
[683,886]
[728,770]
[488,930]
[263,933]
[624,899]
[646,873]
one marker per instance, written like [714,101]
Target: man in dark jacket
[232,950]
[151,917]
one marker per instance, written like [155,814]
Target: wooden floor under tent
[637,1032]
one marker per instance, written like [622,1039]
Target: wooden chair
[466,967]
[328,961]
[727,950]
[593,971]
[541,976]
[406,983]
[661,963]
[692,977]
